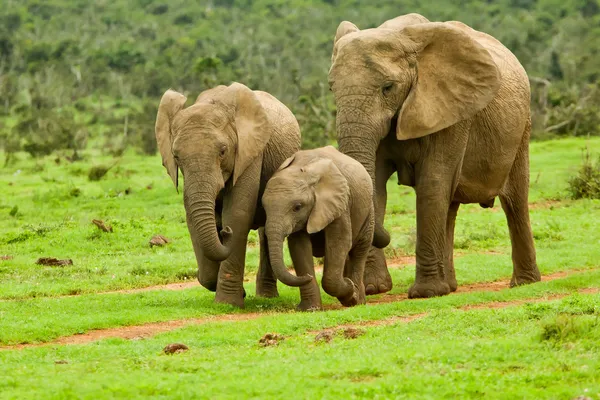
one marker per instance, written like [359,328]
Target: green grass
[547,350]
[542,350]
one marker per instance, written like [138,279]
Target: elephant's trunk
[200,207]
[363,148]
[275,244]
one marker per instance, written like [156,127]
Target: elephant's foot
[428,288]
[525,277]
[266,288]
[452,283]
[354,299]
[377,278]
[235,298]
[309,305]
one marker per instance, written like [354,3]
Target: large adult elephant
[227,145]
[447,108]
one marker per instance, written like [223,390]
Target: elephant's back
[285,138]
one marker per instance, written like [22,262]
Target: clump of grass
[586,184]
[567,328]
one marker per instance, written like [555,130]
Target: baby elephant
[321,200]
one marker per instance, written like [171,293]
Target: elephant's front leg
[301,253]
[377,278]
[266,282]
[239,206]
[338,242]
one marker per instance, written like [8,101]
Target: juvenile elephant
[227,145]
[447,108]
[320,200]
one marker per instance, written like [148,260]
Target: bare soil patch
[137,332]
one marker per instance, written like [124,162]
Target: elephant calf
[320,200]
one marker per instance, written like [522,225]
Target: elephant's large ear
[404,21]
[252,126]
[170,104]
[456,78]
[344,28]
[332,194]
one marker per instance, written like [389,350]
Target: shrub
[586,184]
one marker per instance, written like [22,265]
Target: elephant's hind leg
[448,273]
[514,200]
[266,283]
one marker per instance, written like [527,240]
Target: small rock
[102,226]
[149,187]
[353,333]
[61,362]
[324,336]
[53,262]
[270,339]
[175,348]
[158,240]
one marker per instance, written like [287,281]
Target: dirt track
[146,330]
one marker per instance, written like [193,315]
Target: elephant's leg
[208,270]
[448,271]
[266,283]
[377,278]
[356,267]
[300,247]
[338,242]
[239,206]
[514,200]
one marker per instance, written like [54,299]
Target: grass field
[87,330]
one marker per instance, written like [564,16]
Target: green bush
[586,184]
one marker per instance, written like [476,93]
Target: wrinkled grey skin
[321,201]
[447,108]
[227,145]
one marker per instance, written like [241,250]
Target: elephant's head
[410,78]
[213,141]
[303,194]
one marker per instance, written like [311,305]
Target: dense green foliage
[75,73]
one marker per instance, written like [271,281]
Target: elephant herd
[444,106]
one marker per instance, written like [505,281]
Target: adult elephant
[227,145]
[447,108]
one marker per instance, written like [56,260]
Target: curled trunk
[201,209]
[275,245]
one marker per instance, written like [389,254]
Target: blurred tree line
[77,73]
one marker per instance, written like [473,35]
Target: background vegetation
[79,73]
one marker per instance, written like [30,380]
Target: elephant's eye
[222,150]
[297,207]
[387,88]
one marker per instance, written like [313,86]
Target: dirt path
[147,330]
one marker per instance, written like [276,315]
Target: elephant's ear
[344,28]
[456,78]
[332,194]
[287,162]
[170,104]
[252,126]
[404,21]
